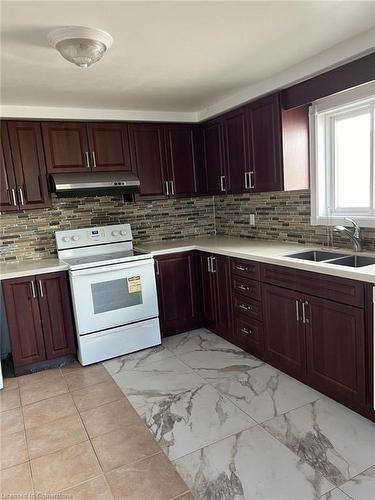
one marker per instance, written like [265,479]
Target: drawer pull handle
[243,287]
[241,268]
[245,330]
[246,308]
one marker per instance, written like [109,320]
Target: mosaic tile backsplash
[281,216]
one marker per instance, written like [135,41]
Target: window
[342,162]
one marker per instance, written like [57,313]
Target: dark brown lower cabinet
[39,318]
[216,289]
[177,285]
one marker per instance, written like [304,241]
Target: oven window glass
[115,294]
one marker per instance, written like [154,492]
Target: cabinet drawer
[248,334]
[249,288]
[244,306]
[245,268]
[325,286]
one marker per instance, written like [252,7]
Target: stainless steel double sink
[338,259]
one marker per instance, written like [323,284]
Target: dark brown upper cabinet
[8,188]
[213,157]
[80,147]
[180,144]
[265,143]
[28,180]
[148,158]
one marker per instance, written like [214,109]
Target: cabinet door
[266,144]
[223,306]
[236,151]
[109,146]
[29,166]
[56,314]
[176,283]
[8,196]
[66,147]
[148,159]
[213,157]
[208,291]
[181,159]
[284,330]
[25,328]
[335,338]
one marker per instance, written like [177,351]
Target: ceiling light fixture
[80,45]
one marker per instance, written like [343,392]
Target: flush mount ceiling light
[80,45]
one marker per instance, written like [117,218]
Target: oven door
[113,295]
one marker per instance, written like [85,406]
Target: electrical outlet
[252,219]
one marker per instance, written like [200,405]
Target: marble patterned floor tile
[197,340]
[335,494]
[335,441]
[250,465]
[191,419]
[361,487]
[159,380]
[137,360]
[262,392]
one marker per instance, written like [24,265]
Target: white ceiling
[180,56]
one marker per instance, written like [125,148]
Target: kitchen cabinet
[264,116]
[148,159]
[8,196]
[217,303]
[27,180]
[213,157]
[81,147]
[39,318]
[178,292]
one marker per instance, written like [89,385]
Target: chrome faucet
[353,233]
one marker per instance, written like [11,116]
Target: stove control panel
[86,237]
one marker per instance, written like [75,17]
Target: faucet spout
[354,234]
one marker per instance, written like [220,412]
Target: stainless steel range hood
[94,183]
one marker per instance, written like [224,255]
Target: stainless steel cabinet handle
[172,188]
[213,268]
[21,196]
[93,159]
[33,289]
[167,187]
[245,307]
[222,181]
[241,268]
[297,310]
[304,315]
[209,264]
[157,267]
[246,181]
[40,288]
[245,330]
[87,159]
[251,180]
[243,287]
[13,191]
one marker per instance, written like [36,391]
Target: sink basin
[354,261]
[316,255]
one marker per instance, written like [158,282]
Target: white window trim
[318,176]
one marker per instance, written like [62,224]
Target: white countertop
[31,267]
[268,252]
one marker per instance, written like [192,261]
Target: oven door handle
[136,264]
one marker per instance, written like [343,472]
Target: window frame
[322,116]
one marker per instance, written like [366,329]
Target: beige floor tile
[35,378]
[96,395]
[89,375]
[16,480]
[42,389]
[124,446]
[55,435]
[10,383]
[185,496]
[13,450]
[109,417]
[71,367]
[9,399]
[47,410]
[95,489]
[65,468]
[11,421]
[153,478]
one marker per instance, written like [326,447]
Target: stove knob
[123,232]
[75,238]
[115,233]
[66,238]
